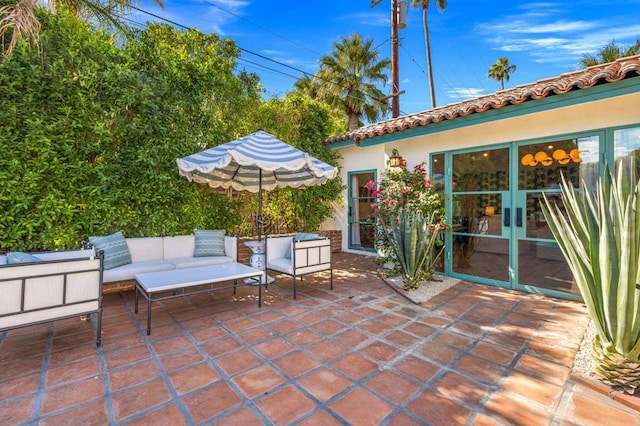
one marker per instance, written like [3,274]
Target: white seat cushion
[193,262]
[128,272]
[280,265]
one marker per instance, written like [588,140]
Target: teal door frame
[514,201]
[353,218]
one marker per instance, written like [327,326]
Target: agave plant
[599,235]
[412,238]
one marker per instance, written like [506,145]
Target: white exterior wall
[606,113]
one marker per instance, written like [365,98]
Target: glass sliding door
[360,211]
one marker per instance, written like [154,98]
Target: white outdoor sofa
[61,284]
[153,254]
[296,258]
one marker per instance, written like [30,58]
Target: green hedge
[90,132]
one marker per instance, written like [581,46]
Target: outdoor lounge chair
[299,255]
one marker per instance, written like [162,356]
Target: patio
[360,354]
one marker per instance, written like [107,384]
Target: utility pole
[395,62]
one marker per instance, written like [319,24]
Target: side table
[257,259]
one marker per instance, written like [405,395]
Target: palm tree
[500,71]
[19,17]
[609,53]
[424,5]
[347,80]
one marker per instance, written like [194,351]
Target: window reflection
[481,171]
[541,165]
[627,148]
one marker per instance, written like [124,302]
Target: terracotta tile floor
[360,354]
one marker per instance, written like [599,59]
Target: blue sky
[543,39]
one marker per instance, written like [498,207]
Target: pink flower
[371,184]
[427,182]
[432,229]
[397,221]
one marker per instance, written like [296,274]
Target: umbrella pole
[260,206]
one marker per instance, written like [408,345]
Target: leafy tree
[424,5]
[302,122]
[609,53]
[91,133]
[347,80]
[501,71]
[18,18]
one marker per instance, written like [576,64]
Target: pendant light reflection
[559,155]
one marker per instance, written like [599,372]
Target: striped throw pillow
[209,242]
[116,251]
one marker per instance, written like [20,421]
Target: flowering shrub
[401,192]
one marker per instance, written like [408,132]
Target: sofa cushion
[144,249]
[128,272]
[20,257]
[3,259]
[65,254]
[209,242]
[281,265]
[193,262]
[179,246]
[116,251]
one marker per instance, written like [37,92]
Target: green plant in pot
[599,235]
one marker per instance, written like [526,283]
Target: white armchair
[297,258]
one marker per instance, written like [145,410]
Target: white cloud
[373,18]
[545,36]
[456,94]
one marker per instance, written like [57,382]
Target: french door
[499,234]
[539,263]
[360,211]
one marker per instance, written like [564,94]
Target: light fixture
[489,211]
[396,160]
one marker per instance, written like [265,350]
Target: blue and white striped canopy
[259,157]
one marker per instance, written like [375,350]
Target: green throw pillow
[20,257]
[116,250]
[209,242]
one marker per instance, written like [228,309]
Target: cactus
[412,238]
[599,235]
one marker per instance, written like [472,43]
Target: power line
[304,73]
[240,48]
[262,28]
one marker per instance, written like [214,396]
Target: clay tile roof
[589,77]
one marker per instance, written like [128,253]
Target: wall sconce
[396,160]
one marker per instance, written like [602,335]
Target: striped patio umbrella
[253,163]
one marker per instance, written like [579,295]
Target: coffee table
[152,283]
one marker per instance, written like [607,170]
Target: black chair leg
[294,287]
[331,270]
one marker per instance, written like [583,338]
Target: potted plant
[599,235]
